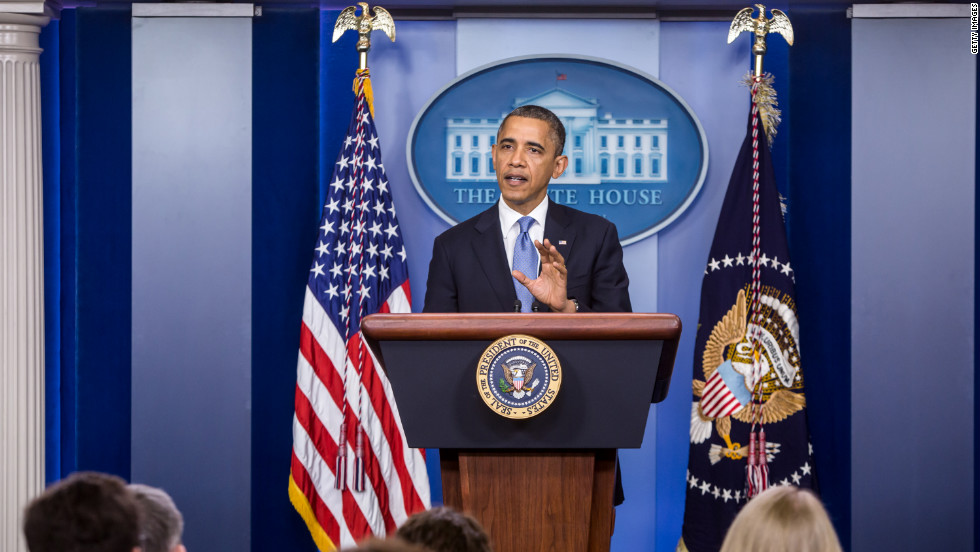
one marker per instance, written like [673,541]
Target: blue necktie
[525,260]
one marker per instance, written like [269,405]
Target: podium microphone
[517,305]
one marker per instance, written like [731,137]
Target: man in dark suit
[575,263]
[577,255]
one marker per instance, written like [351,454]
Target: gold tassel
[765,98]
[364,76]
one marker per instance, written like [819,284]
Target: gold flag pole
[348,19]
[760,26]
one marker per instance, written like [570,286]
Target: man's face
[525,160]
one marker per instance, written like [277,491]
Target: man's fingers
[542,247]
[520,277]
[548,252]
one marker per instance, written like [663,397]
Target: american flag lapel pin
[562,242]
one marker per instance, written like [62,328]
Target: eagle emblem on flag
[730,377]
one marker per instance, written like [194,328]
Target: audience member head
[443,529]
[85,512]
[161,524]
[784,518]
[393,544]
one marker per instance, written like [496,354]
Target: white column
[21,274]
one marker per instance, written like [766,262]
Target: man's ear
[561,163]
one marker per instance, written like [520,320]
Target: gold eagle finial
[380,20]
[760,27]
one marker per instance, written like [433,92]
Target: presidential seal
[518,376]
[728,364]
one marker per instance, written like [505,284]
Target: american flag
[345,411]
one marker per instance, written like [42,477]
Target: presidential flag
[748,417]
[352,473]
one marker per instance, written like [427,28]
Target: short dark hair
[85,512]
[161,524]
[445,530]
[541,114]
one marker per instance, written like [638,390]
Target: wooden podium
[546,482]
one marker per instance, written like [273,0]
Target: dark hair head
[85,512]
[557,133]
[161,524]
[445,530]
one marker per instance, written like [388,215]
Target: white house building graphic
[600,149]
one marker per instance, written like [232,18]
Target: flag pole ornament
[348,20]
[764,95]
[760,27]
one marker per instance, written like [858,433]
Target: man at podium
[527,253]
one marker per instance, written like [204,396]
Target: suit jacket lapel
[558,230]
[488,247]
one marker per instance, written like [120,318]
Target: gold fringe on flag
[363,78]
[305,511]
[765,98]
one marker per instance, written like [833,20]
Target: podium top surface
[467,326]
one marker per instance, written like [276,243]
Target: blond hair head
[781,519]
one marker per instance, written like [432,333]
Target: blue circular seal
[637,153]
[518,376]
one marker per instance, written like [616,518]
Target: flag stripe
[318,490]
[320,449]
[377,516]
[717,398]
[303,480]
[310,514]
[380,393]
[321,365]
[408,468]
